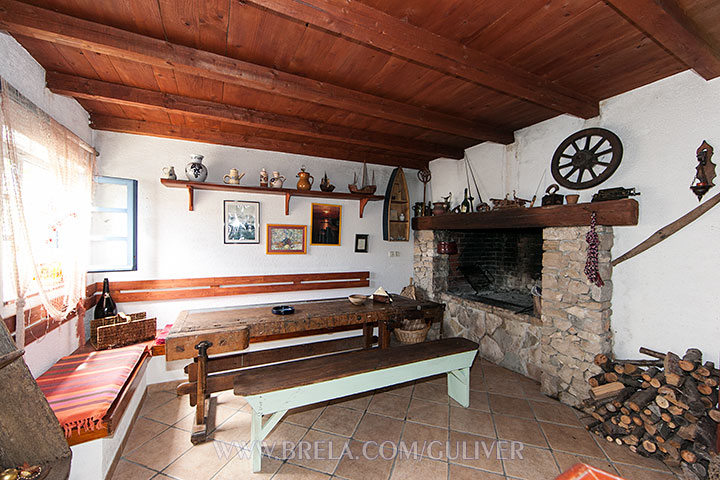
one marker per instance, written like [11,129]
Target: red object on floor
[162,335]
[581,471]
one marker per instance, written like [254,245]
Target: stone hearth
[557,349]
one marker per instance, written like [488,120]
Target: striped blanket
[81,387]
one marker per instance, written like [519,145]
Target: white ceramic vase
[195,170]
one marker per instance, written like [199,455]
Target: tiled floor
[510,431]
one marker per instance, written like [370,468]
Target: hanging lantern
[705,171]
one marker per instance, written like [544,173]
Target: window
[113,237]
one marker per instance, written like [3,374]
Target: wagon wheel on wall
[586,158]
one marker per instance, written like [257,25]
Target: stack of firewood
[664,408]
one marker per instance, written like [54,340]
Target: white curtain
[46,185]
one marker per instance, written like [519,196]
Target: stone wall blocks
[490,350]
[602,294]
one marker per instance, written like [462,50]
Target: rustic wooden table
[199,334]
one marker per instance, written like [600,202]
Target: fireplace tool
[424,176]
[482,206]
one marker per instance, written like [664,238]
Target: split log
[690,360]
[714,414]
[650,373]
[641,398]
[710,381]
[674,375]
[652,353]
[704,389]
[649,446]
[642,363]
[604,362]
[688,456]
[658,380]
[675,410]
[597,380]
[606,391]
[662,402]
[610,377]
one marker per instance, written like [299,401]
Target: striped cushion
[81,387]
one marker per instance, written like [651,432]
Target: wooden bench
[275,389]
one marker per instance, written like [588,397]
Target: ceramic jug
[233,177]
[170,173]
[277,180]
[306,180]
[263,178]
[195,170]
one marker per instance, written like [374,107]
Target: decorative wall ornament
[242,221]
[586,158]
[705,171]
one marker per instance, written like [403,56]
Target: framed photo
[286,239]
[325,225]
[242,221]
[361,243]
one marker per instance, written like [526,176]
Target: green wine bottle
[466,205]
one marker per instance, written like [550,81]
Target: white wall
[664,298]
[28,77]
[176,243]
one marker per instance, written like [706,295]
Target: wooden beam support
[667,24]
[49,26]
[192,132]
[374,28]
[89,89]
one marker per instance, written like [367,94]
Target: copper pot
[448,248]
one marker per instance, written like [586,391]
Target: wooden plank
[316,148]
[222,342]
[665,22]
[315,370]
[42,24]
[116,94]
[615,212]
[379,30]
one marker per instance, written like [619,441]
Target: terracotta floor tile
[142,431]
[283,433]
[436,379]
[358,402]
[423,435]
[170,386]
[567,460]
[230,400]
[458,472]
[518,429]
[555,412]
[477,383]
[365,462]
[419,469]
[338,420]
[217,416]
[171,412]
[518,407]
[240,467]
[475,451]
[431,392]
[429,413]
[532,391]
[319,451]
[478,401]
[304,416]
[378,429]
[235,429]
[160,451]
[389,405]
[571,439]
[403,389]
[622,454]
[628,472]
[201,462]
[129,471]
[154,400]
[530,463]
[293,472]
[471,421]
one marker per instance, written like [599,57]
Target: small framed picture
[286,239]
[242,221]
[325,225]
[361,243]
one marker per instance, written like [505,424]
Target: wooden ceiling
[395,82]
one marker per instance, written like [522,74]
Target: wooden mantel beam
[364,24]
[209,135]
[49,26]
[667,24]
[85,88]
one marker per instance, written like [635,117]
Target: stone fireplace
[557,348]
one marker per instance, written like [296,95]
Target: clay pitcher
[306,180]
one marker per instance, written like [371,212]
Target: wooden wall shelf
[616,212]
[286,192]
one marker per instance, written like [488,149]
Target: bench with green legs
[275,389]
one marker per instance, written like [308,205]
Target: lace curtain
[46,186]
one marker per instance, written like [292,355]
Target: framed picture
[361,243]
[325,225]
[242,221]
[286,239]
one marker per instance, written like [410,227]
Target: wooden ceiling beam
[85,88]
[215,136]
[374,28]
[46,25]
[667,24]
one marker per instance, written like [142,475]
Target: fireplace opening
[497,267]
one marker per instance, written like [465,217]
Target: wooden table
[202,333]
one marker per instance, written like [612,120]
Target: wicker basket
[417,335]
[112,332]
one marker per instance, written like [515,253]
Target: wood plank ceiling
[389,82]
